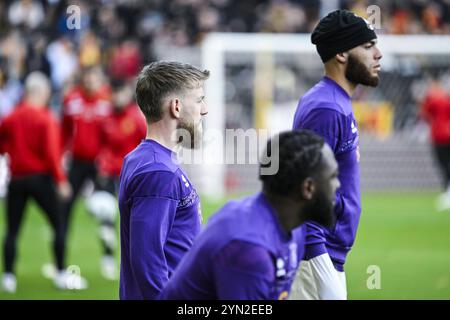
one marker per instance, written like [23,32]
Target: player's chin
[373,80]
[197,141]
[196,144]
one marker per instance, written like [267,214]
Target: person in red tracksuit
[30,136]
[121,132]
[85,108]
[435,110]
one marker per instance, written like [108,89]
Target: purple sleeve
[244,271]
[325,122]
[328,124]
[150,221]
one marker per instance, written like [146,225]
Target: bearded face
[190,134]
[193,109]
[359,73]
[321,209]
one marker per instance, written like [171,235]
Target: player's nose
[378,54]
[204,109]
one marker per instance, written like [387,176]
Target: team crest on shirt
[354,128]
[186,183]
[351,140]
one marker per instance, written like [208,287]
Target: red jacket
[436,111]
[82,119]
[31,138]
[121,133]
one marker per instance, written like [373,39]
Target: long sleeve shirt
[159,218]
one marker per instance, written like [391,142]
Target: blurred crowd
[407,17]
[122,35]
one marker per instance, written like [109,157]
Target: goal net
[257,79]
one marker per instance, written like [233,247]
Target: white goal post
[216,45]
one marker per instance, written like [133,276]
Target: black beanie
[339,31]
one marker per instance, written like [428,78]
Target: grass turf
[400,233]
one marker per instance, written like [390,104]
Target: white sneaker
[66,280]
[108,236]
[9,283]
[443,202]
[108,268]
[49,271]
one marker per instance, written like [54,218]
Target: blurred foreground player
[120,133]
[346,43]
[159,207]
[30,136]
[251,248]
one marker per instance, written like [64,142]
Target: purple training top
[159,218]
[243,254]
[327,110]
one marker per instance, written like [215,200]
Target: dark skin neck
[287,211]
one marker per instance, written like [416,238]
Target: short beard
[321,210]
[189,135]
[357,73]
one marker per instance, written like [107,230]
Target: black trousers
[79,173]
[442,153]
[41,189]
[108,184]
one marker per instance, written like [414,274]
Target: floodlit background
[401,233]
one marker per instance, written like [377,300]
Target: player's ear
[308,188]
[341,57]
[174,107]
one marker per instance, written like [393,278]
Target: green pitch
[400,233]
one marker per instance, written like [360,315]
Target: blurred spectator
[431,18]
[13,50]
[407,17]
[122,35]
[284,17]
[109,25]
[36,59]
[10,91]
[63,61]
[89,51]
[27,13]
[126,61]
[208,19]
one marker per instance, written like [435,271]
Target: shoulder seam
[157,197]
[156,171]
[328,109]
